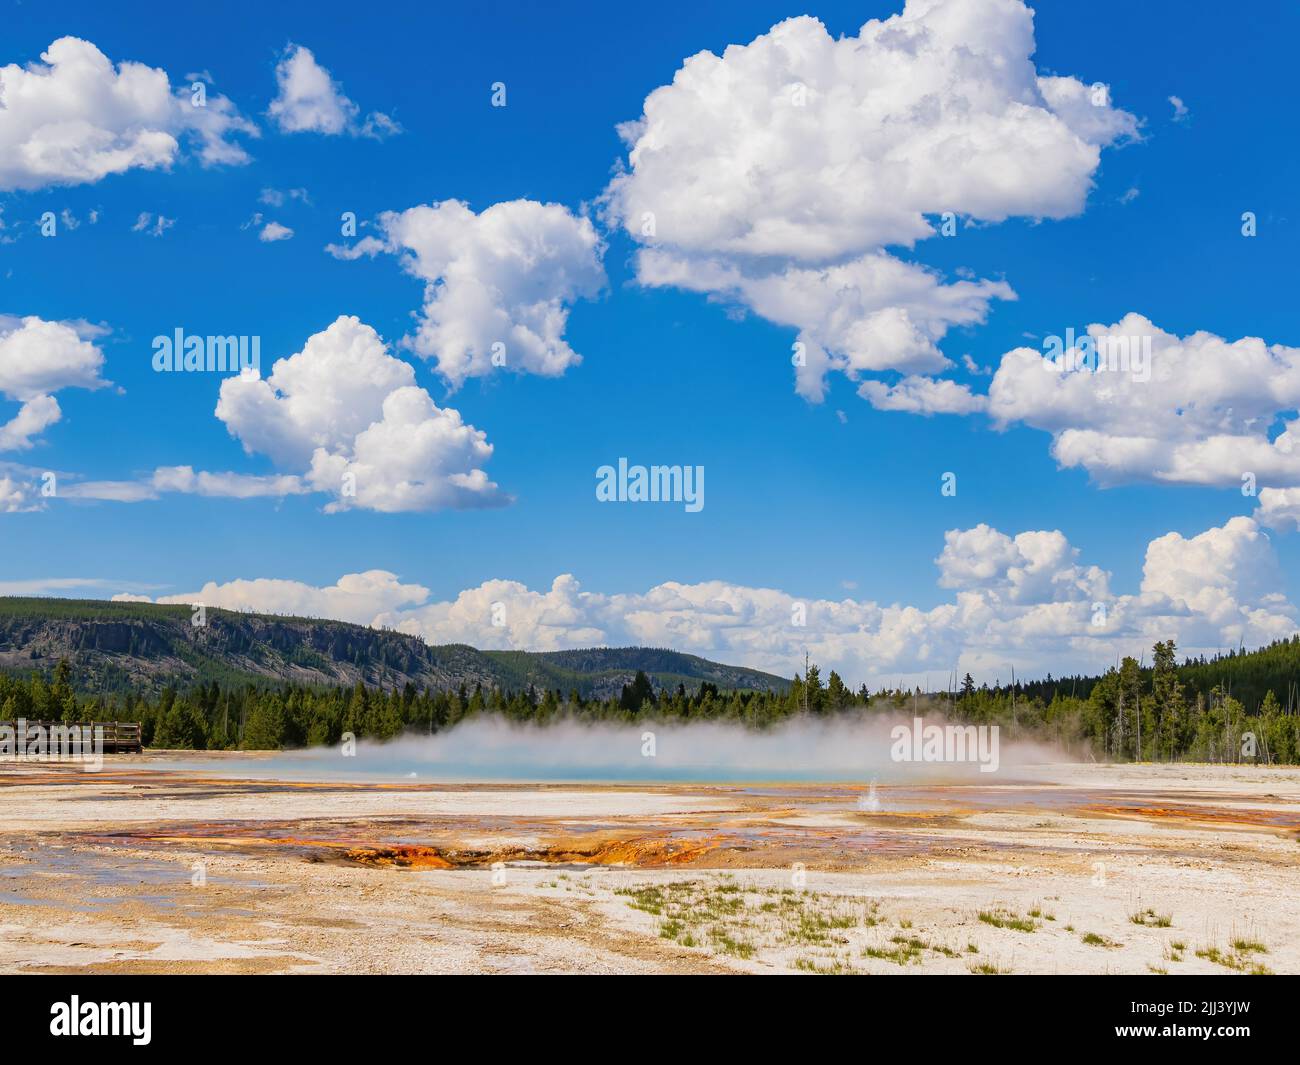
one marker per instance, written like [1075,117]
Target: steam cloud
[843,748]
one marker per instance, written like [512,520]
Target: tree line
[1131,712]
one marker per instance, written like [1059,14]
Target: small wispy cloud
[53,585]
[279,197]
[152,225]
[274,231]
[269,231]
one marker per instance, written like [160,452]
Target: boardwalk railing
[108,736]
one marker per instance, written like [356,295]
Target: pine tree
[837,695]
[636,694]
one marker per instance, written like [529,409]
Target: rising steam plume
[849,747]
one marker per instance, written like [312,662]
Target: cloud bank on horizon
[1024,602]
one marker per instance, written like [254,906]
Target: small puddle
[102,880]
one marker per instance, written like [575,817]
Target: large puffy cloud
[1279,508]
[498,285]
[323,396]
[308,100]
[1226,582]
[1133,402]
[38,358]
[74,118]
[563,616]
[1032,567]
[416,456]
[1024,602]
[777,173]
[350,415]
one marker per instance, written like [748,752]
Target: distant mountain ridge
[132,646]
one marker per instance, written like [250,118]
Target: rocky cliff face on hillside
[120,646]
[153,646]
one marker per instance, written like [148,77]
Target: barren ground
[1071,868]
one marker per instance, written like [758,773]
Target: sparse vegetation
[900,954]
[835,967]
[907,949]
[728,944]
[728,918]
[1237,959]
[649,899]
[1007,919]
[1093,939]
[722,916]
[1150,919]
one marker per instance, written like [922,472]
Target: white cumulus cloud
[308,100]
[74,118]
[1279,508]
[37,358]
[1198,409]
[350,415]
[498,285]
[777,173]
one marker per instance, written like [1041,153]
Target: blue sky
[821,501]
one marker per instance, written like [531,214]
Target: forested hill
[1248,676]
[143,647]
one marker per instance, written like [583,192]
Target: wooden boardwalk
[110,737]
